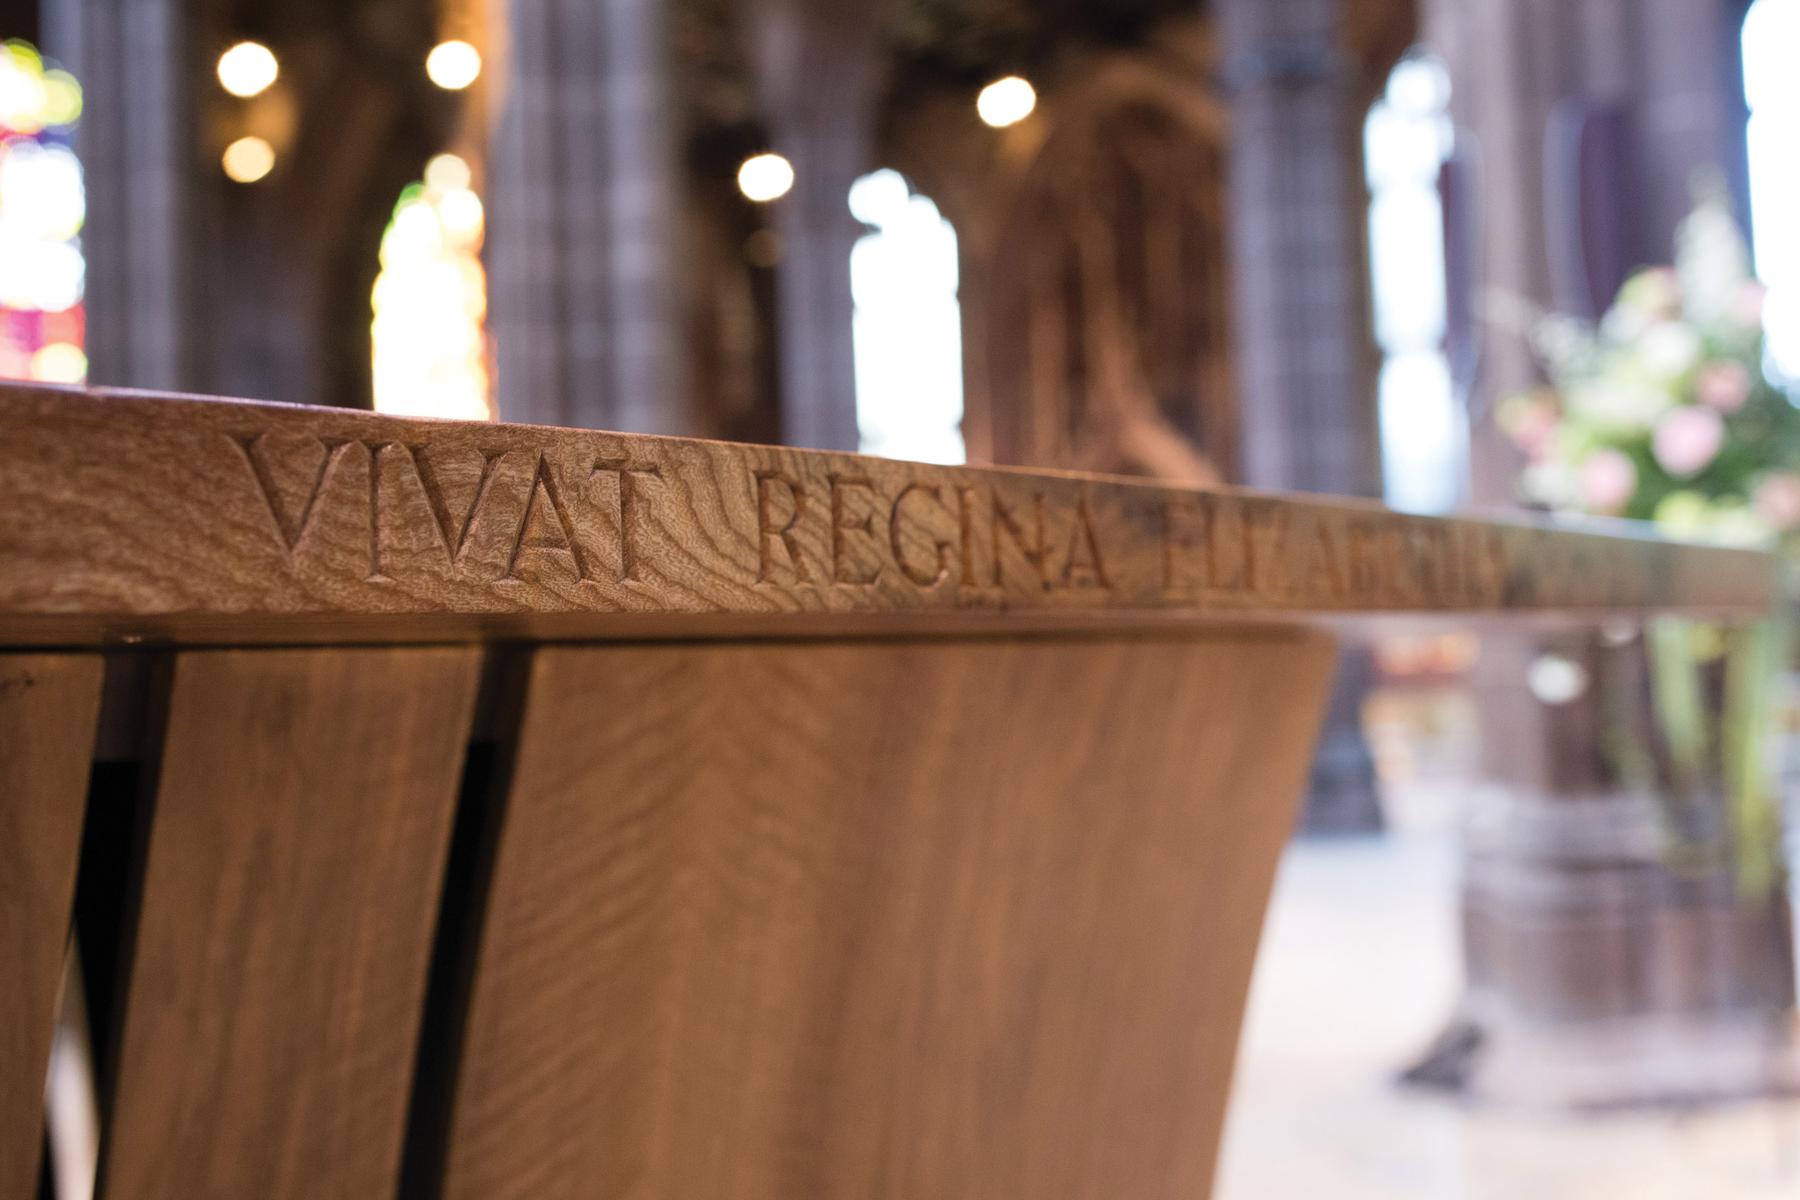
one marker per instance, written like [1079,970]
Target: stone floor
[1358,968]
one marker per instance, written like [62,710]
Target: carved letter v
[290,532]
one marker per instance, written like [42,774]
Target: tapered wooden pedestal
[489,811]
[927,919]
[971,917]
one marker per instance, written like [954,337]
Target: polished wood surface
[918,919]
[48,705]
[288,905]
[830,826]
[128,516]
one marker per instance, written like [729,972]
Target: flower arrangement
[1662,411]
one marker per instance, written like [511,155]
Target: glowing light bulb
[247,69]
[453,65]
[1006,101]
[765,177]
[248,159]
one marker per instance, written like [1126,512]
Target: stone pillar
[812,280]
[1305,355]
[586,198]
[1687,101]
[815,67]
[137,147]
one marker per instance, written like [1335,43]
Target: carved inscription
[842,570]
[897,517]
[768,535]
[453,533]
[289,528]
[856,555]
[1034,551]
[1084,567]
[264,512]
[562,523]
[525,514]
[454,543]
[550,521]
[626,475]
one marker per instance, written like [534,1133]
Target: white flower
[1669,348]
[1711,258]
[1560,340]
[1553,484]
[1736,525]
[1625,323]
[1618,404]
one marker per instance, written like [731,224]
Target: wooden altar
[497,810]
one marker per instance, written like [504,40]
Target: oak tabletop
[131,516]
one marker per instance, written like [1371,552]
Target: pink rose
[1723,386]
[1777,500]
[1534,427]
[1608,478]
[1687,439]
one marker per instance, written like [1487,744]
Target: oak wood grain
[136,516]
[290,892]
[923,919]
[48,706]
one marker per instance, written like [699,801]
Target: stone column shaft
[1305,356]
[587,199]
[135,139]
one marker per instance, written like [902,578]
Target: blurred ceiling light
[247,69]
[765,177]
[248,159]
[448,172]
[1556,680]
[1006,101]
[59,362]
[453,65]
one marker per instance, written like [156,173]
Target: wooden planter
[1602,970]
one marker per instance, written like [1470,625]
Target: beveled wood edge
[131,517]
[112,635]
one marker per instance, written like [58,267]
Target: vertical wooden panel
[290,892]
[928,919]
[48,705]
